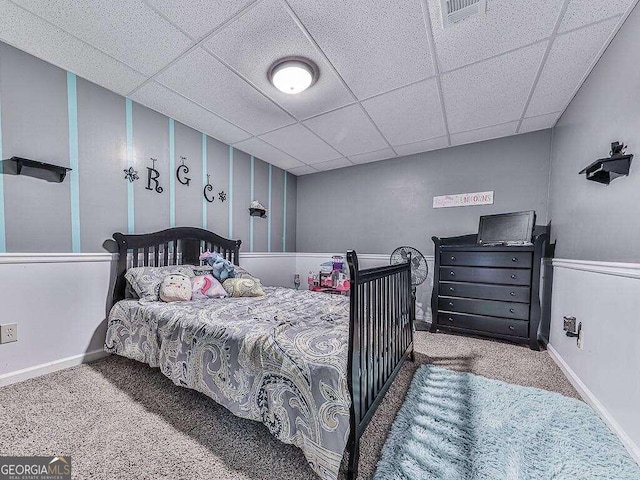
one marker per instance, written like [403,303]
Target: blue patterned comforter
[280,359]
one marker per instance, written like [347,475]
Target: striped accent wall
[100,135]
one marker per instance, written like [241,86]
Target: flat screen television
[506,228]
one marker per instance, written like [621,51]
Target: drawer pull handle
[513,275]
[511,327]
[512,310]
[451,289]
[450,319]
[453,258]
[451,304]
[514,259]
[452,273]
[513,294]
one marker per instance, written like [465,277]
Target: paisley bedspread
[280,359]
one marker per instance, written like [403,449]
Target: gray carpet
[118,418]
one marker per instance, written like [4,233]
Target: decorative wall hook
[183,169]
[131,174]
[208,188]
[152,176]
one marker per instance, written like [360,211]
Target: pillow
[175,288]
[206,286]
[146,281]
[243,287]
[242,273]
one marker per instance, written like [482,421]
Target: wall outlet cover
[9,333]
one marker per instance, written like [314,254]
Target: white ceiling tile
[539,123]
[583,12]
[348,130]
[491,92]
[300,143]
[256,147]
[198,17]
[570,58]
[408,114]
[423,146]
[507,25]
[372,156]
[252,43]
[333,164]
[376,45]
[297,171]
[481,134]
[163,100]
[206,81]
[27,32]
[127,30]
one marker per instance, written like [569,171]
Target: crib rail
[380,339]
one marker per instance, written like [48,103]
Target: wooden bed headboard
[174,246]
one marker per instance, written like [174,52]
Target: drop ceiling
[392,80]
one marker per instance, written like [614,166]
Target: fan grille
[419,268]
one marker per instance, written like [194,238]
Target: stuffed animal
[222,268]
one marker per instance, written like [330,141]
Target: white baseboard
[594,403]
[50,367]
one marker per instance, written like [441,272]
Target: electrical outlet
[9,333]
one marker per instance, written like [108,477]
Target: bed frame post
[353,377]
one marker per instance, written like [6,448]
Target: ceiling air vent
[454,11]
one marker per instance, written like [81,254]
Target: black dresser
[489,290]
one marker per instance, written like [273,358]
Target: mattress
[280,359]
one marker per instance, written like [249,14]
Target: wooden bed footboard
[380,339]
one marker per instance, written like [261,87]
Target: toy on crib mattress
[222,268]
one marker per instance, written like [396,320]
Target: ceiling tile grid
[376,45]
[348,130]
[261,149]
[203,79]
[300,142]
[561,78]
[26,31]
[491,92]
[168,102]
[127,30]
[408,114]
[379,94]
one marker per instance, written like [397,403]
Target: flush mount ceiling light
[293,74]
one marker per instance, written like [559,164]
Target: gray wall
[376,207]
[37,215]
[593,221]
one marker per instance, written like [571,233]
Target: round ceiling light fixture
[293,75]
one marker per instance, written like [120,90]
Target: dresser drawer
[487,259]
[492,308]
[478,323]
[505,276]
[485,291]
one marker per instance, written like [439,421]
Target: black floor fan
[419,268]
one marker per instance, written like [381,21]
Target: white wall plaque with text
[463,199]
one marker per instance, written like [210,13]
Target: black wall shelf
[606,169]
[26,163]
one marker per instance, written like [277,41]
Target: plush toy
[222,268]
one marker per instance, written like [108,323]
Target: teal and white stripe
[172,177]
[269,207]
[253,171]
[131,225]
[3,237]
[204,180]
[74,181]
[284,214]
[230,194]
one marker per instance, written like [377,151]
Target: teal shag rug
[459,426]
